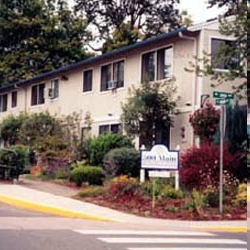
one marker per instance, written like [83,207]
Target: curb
[50,210]
[225,229]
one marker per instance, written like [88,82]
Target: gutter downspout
[195,82]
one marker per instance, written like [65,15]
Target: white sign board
[160,158]
[162,174]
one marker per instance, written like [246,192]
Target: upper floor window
[157,65]
[37,94]
[3,102]
[13,99]
[54,89]
[224,54]
[112,76]
[87,80]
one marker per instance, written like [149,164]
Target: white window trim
[112,74]
[1,100]
[91,91]
[51,87]
[40,104]
[156,65]
[225,38]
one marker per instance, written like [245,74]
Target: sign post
[222,99]
[221,158]
[161,161]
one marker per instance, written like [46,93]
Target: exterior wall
[105,107]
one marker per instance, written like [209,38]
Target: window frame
[111,77]
[54,88]
[84,90]
[14,95]
[3,102]
[156,66]
[40,96]
[107,127]
[225,39]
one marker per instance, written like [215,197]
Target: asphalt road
[25,230]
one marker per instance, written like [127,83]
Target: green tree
[10,127]
[148,110]
[149,17]
[36,127]
[37,36]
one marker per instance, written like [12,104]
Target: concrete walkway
[55,199]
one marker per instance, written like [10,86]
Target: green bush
[17,157]
[241,197]
[147,187]
[122,161]
[89,174]
[101,145]
[211,198]
[170,192]
[92,191]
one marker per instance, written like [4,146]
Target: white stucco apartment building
[100,84]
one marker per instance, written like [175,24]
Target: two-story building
[100,84]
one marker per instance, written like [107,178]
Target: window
[14,99]
[118,74]
[54,89]
[157,65]
[114,128]
[148,67]
[112,76]
[87,80]
[164,63]
[224,54]
[3,102]
[37,94]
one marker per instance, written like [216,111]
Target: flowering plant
[205,121]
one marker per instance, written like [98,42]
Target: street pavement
[90,227]
[26,230]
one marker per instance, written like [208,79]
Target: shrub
[92,191]
[241,197]
[170,192]
[102,144]
[205,121]
[91,175]
[16,156]
[10,127]
[122,161]
[197,200]
[211,196]
[123,185]
[200,166]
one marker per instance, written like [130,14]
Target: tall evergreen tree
[37,36]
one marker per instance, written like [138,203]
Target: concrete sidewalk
[23,196]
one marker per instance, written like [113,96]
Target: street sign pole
[222,99]
[221,157]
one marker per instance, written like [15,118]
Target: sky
[197,9]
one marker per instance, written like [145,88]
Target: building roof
[107,55]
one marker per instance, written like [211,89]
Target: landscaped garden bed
[131,197]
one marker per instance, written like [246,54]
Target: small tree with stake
[151,105]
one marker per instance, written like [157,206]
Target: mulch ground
[165,209]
